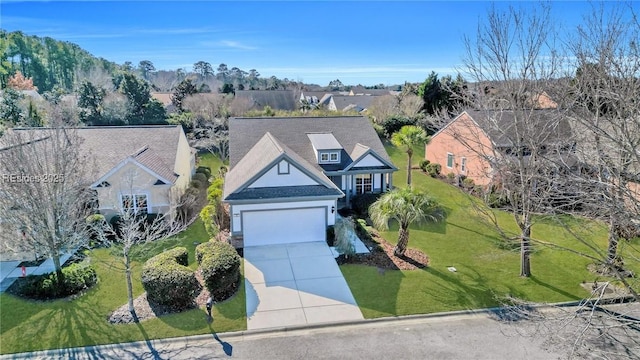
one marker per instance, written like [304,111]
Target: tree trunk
[403,241]
[525,252]
[127,265]
[58,267]
[612,247]
[410,154]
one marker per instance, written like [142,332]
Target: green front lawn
[484,271]
[29,325]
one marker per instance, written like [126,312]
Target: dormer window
[329,157]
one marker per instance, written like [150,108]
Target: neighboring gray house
[275,99]
[289,176]
[350,103]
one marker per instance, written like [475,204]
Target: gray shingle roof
[244,133]
[284,192]
[266,152]
[548,127]
[358,151]
[276,99]
[111,145]
[324,141]
[154,163]
[343,103]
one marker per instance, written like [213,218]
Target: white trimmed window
[330,157]
[463,164]
[449,160]
[364,183]
[138,203]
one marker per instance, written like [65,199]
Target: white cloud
[227,44]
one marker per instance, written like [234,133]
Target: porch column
[383,186]
[390,181]
[347,185]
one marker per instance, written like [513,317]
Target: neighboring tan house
[289,176]
[165,99]
[466,145]
[143,168]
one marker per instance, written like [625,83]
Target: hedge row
[77,277]
[220,266]
[168,281]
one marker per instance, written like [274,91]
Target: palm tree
[406,206]
[409,136]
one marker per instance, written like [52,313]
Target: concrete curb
[290,329]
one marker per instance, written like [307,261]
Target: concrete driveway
[295,284]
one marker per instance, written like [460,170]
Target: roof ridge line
[275,142]
[139,151]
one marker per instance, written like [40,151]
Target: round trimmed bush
[433,169]
[220,266]
[200,177]
[204,170]
[77,277]
[168,281]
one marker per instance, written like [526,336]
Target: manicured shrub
[198,184]
[204,170]
[208,217]
[202,178]
[395,123]
[95,224]
[168,281]
[451,178]
[494,198]
[423,164]
[331,235]
[116,224]
[220,267]
[77,277]
[433,169]
[468,184]
[361,203]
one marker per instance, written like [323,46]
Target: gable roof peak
[274,141]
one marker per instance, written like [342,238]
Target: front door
[363,183]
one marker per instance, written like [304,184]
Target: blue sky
[358,42]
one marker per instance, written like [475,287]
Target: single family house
[140,168]
[289,176]
[469,145]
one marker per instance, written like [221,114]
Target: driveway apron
[295,284]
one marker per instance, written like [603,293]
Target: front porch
[357,183]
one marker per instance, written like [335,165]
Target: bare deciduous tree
[45,197]
[512,50]
[383,107]
[605,107]
[135,225]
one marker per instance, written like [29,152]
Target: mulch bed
[145,310]
[382,256]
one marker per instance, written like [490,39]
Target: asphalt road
[476,336]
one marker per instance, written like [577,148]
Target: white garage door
[283,226]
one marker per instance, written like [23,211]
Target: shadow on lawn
[374,289]
[59,324]
[471,294]
[553,288]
